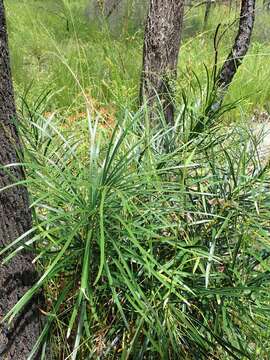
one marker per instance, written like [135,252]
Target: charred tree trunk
[240,47]
[114,6]
[207,13]
[19,275]
[160,55]
[107,7]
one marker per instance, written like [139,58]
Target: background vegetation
[47,38]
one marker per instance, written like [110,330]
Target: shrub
[152,243]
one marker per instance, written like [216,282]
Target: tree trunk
[107,7]
[207,13]
[240,47]
[18,275]
[160,55]
[113,7]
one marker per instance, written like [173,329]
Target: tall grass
[153,243]
[108,64]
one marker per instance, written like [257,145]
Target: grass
[152,243]
[108,66]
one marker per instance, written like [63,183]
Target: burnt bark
[17,340]
[114,6]
[160,55]
[207,13]
[240,47]
[107,7]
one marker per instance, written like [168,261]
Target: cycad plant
[151,243]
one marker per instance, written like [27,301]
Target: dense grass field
[152,243]
[55,46]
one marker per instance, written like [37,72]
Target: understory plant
[152,242]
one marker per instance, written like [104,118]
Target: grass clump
[153,243]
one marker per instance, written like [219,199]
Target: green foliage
[44,50]
[151,242]
[108,65]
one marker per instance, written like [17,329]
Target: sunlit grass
[152,242]
[109,66]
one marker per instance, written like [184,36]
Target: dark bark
[160,55]
[240,47]
[19,275]
[207,13]
[113,7]
[107,7]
